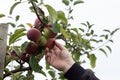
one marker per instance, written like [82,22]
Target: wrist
[68,66]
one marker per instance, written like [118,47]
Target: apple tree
[50,25]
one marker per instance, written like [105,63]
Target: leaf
[64,33]
[17,17]
[61,16]
[13,6]
[12,24]
[66,2]
[92,59]
[1,38]
[55,27]
[52,74]
[101,49]
[84,24]
[114,31]
[81,29]
[2,15]
[94,40]
[17,34]
[16,49]
[106,30]
[35,66]
[78,2]
[21,25]
[106,36]
[30,25]
[109,48]
[1,78]
[52,13]
[111,40]
[23,46]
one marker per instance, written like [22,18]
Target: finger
[60,46]
[56,50]
[47,58]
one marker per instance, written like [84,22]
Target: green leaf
[106,30]
[106,36]
[52,74]
[64,33]
[111,40]
[109,48]
[66,2]
[92,59]
[17,17]
[23,46]
[12,24]
[61,16]
[13,6]
[17,34]
[52,13]
[102,50]
[94,40]
[1,38]
[16,49]
[55,27]
[78,2]
[81,29]
[21,25]
[2,15]
[114,31]
[35,66]
[1,78]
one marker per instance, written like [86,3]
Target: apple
[42,41]
[13,53]
[37,22]
[31,48]
[48,33]
[49,24]
[50,43]
[25,57]
[33,34]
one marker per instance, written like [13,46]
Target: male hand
[59,57]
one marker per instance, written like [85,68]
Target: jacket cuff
[75,72]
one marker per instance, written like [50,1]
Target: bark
[3,46]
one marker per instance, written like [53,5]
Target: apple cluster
[40,36]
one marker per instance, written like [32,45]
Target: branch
[16,70]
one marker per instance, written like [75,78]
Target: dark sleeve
[76,72]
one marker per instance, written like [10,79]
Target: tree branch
[16,70]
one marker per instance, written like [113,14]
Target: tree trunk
[3,46]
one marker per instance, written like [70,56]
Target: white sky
[102,13]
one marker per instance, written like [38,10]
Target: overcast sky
[102,13]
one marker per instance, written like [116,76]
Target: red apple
[50,43]
[37,22]
[13,53]
[25,57]
[33,34]
[49,24]
[31,48]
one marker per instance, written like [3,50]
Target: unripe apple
[48,33]
[42,41]
[37,22]
[25,57]
[50,43]
[31,48]
[33,34]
